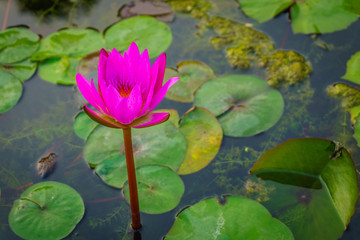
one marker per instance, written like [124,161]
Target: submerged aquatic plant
[128,90]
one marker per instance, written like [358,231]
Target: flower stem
[134,200]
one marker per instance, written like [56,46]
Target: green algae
[288,66]
[245,47]
[350,96]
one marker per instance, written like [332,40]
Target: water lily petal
[161,93]
[151,120]
[102,67]
[103,119]
[90,93]
[126,109]
[161,61]
[111,98]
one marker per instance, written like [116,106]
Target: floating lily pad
[357,130]
[159,145]
[10,91]
[83,125]
[203,134]
[237,218]
[147,32]
[69,42]
[309,16]
[47,210]
[59,70]
[314,163]
[174,115]
[88,66]
[159,188]
[17,44]
[159,10]
[320,16]
[353,69]
[264,10]
[192,74]
[21,70]
[244,105]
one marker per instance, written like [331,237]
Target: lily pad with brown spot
[244,105]
[192,74]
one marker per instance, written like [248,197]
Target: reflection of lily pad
[69,42]
[314,163]
[147,32]
[47,210]
[21,70]
[192,74]
[159,10]
[160,189]
[245,105]
[159,145]
[310,16]
[10,91]
[238,218]
[353,69]
[17,44]
[59,70]
[203,134]
[83,125]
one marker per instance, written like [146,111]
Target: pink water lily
[128,89]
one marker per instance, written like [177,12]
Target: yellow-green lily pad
[244,105]
[237,218]
[313,163]
[192,74]
[46,211]
[203,134]
[159,188]
[148,33]
[22,70]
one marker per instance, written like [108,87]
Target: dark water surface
[42,120]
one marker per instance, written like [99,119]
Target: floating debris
[46,165]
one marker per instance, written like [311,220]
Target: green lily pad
[21,70]
[307,16]
[17,44]
[353,69]
[147,32]
[174,115]
[162,145]
[244,105]
[320,16]
[314,163]
[46,210]
[83,125]
[10,91]
[159,188]
[237,218]
[203,134]
[59,70]
[69,42]
[192,74]
[264,10]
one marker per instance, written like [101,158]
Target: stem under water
[134,199]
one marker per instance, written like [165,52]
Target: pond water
[42,122]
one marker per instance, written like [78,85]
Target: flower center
[124,90]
